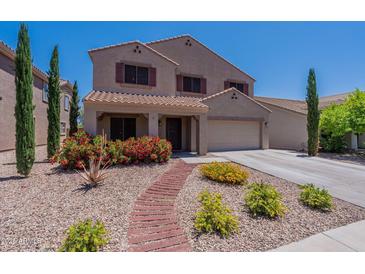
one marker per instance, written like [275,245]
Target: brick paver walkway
[153,222]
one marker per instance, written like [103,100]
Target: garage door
[233,135]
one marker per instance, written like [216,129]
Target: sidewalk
[346,238]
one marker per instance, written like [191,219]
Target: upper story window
[66,103]
[238,86]
[242,87]
[136,75]
[45,93]
[191,84]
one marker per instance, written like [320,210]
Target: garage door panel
[233,135]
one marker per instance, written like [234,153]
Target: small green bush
[85,237]
[225,173]
[315,197]
[214,216]
[263,199]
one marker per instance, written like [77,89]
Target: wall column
[202,127]
[153,124]
[90,120]
[264,132]
[354,144]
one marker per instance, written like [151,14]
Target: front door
[122,128]
[173,132]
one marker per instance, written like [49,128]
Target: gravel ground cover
[259,234]
[351,158]
[35,211]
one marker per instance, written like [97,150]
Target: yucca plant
[97,170]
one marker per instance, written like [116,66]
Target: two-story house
[40,101]
[177,89]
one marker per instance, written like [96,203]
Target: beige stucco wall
[7,106]
[104,70]
[242,108]
[200,61]
[287,129]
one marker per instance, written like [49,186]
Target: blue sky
[277,54]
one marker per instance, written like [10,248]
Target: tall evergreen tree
[25,138]
[313,114]
[74,111]
[53,112]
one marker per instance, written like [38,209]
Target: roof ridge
[13,52]
[132,42]
[235,90]
[296,100]
[196,40]
[168,38]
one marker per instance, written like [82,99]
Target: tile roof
[298,106]
[7,49]
[135,42]
[340,98]
[147,100]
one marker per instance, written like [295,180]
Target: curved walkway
[153,221]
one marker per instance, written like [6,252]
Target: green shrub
[85,237]
[214,216]
[315,197]
[330,143]
[264,199]
[225,173]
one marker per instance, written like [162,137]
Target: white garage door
[233,135]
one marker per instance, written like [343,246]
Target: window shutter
[179,82]
[203,85]
[226,85]
[152,77]
[119,72]
[245,88]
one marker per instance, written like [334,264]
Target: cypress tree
[25,138]
[74,111]
[53,111]
[313,114]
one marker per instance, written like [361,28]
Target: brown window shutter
[119,72]
[179,82]
[152,77]
[226,85]
[203,85]
[245,88]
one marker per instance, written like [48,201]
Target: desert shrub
[263,199]
[225,173]
[315,197]
[214,216]
[85,237]
[331,143]
[76,151]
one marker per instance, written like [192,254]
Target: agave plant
[97,171]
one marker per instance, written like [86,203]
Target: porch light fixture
[159,123]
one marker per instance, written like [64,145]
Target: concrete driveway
[343,180]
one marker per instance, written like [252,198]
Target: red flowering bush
[78,149]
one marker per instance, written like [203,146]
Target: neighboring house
[178,89]
[288,122]
[290,116]
[40,101]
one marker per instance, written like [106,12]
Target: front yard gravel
[259,234]
[36,211]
